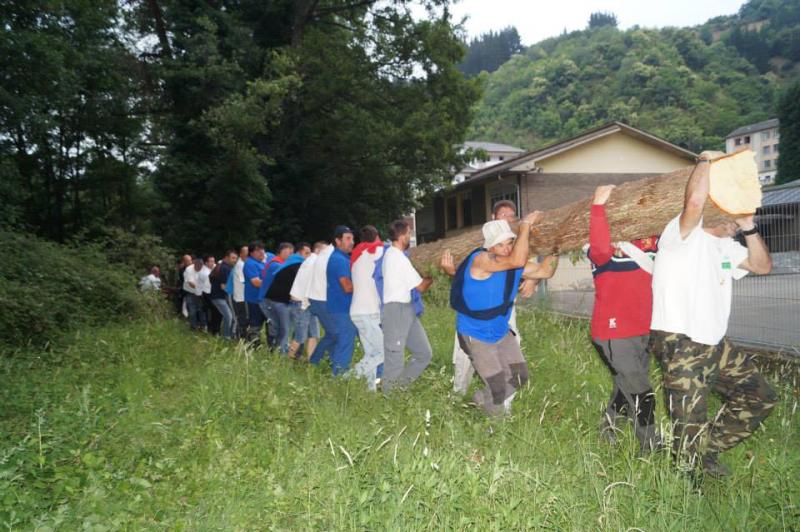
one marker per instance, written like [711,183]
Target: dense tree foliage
[215,122]
[688,85]
[789,116]
[70,138]
[767,33]
[490,50]
[600,20]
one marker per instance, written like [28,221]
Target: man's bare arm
[758,259]
[545,270]
[347,285]
[490,263]
[425,284]
[528,287]
[696,194]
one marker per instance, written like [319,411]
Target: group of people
[667,295]
[370,290]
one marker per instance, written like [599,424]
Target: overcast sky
[538,19]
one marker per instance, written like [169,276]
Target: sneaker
[713,467]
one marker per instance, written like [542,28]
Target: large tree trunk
[637,209]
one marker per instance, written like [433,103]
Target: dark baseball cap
[340,230]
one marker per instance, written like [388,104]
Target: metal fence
[765,310]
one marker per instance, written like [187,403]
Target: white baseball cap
[496,232]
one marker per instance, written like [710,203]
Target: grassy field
[148,426]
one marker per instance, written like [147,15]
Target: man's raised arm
[490,263]
[696,194]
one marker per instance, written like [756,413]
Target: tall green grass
[149,426]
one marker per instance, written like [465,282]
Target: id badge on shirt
[726,269]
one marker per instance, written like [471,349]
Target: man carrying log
[692,287]
[620,324]
[483,292]
[462,367]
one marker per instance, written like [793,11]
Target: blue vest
[483,306]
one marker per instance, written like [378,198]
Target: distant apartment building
[763,139]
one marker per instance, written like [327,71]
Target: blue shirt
[338,266]
[480,295]
[252,268]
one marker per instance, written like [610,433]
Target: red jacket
[623,302]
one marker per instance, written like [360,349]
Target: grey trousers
[401,329]
[632,395]
[462,366]
[500,365]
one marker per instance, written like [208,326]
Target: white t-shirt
[302,281]
[150,282]
[365,294]
[203,282]
[318,289]
[693,283]
[399,277]
[192,275]
[238,281]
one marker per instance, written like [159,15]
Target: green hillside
[691,86]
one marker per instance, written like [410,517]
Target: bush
[135,252]
[47,289]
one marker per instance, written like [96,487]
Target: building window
[747,139]
[765,135]
[774,148]
[776,134]
[501,158]
[738,141]
[765,149]
[768,164]
[504,191]
[452,212]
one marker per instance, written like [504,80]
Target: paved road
[765,309]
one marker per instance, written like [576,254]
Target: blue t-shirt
[480,295]
[338,266]
[252,268]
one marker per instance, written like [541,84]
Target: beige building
[763,139]
[563,172]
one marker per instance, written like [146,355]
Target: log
[636,209]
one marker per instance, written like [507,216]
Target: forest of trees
[487,52]
[684,84]
[210,123]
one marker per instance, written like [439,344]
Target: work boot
[650,439]
[610,427]
[713,467]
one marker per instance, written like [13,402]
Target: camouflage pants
[691,371]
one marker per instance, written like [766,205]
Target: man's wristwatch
[753,231]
